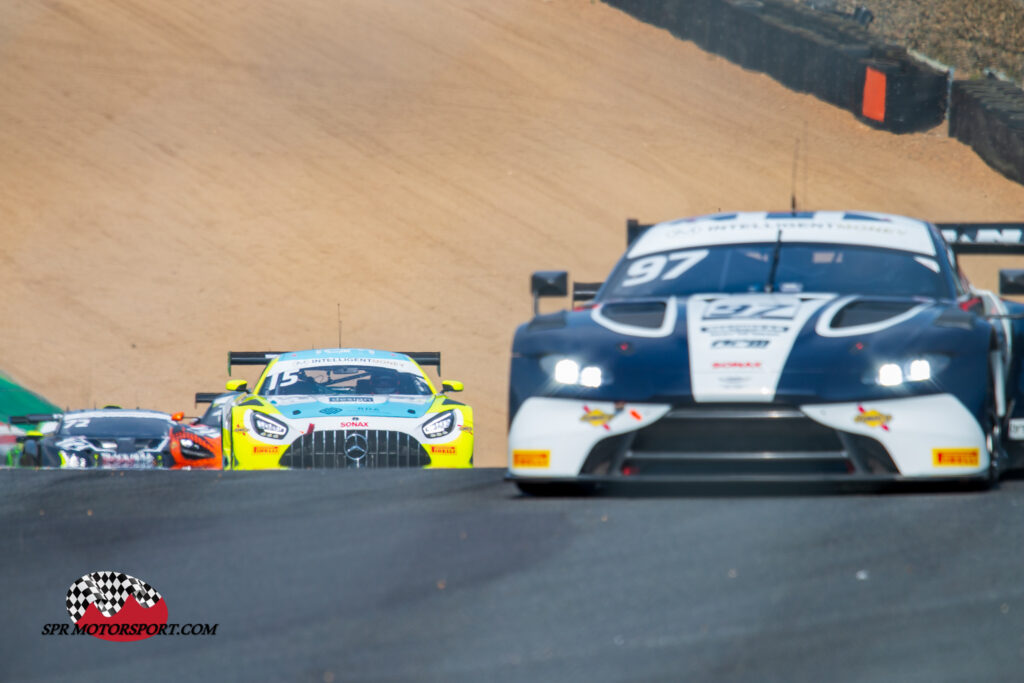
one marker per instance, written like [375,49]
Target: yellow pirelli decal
[531,459]
[955,457]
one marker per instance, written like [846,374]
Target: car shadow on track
[742,489]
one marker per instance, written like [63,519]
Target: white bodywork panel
[916,431]
[740,343]
[556,425]
[892,232]
[916,427]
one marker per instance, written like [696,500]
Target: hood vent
[869,312]
[647,314]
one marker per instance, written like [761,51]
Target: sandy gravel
[180,178]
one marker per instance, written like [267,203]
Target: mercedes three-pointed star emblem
[355,446]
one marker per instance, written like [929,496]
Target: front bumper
[366,442]
[914,438]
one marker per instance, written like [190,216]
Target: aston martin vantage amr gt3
[348,408]
[822,346]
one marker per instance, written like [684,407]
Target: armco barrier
[825,55]
[988,115]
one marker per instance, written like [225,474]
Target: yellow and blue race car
[344,408]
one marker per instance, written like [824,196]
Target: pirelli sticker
[538,459]
[955,457]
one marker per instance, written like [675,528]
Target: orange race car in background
[196,444]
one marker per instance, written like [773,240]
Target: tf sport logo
[119,607]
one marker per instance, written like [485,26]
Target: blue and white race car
[797,346]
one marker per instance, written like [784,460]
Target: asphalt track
[327,575]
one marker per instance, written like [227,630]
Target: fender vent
[868,312]
[649,314]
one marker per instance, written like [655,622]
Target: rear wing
[584,291]
[984,238]
[208,396]
[251,357]
[634,229]
[34,418]
[426,358]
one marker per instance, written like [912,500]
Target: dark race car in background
[816,346]
[109,437]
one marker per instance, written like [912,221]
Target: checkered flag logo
[108,591]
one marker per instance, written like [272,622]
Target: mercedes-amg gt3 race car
[344,408]
[109,437]
[798,346]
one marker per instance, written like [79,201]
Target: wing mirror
[236,385]
[451,385]
[1011,282]
[548,283]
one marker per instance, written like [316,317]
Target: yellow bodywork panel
[244,449]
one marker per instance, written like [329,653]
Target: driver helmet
[384,383]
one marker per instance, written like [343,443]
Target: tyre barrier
[829,56]
[988,115]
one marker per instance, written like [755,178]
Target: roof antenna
[339,324]
[792,194]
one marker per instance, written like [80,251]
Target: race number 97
[650,268]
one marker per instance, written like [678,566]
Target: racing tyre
[993,427]
[30,454]
[28,460]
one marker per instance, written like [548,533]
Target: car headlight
[268,427]
[590,376]
[441,425]
[568,371]
[914,370]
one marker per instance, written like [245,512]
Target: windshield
[211,418]
[842,269]
[135,427]
[330,380]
